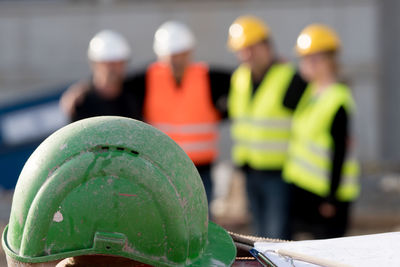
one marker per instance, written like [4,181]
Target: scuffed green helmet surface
[116,186]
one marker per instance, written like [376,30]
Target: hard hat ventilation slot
[118,148]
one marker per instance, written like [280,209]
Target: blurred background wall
[43,44]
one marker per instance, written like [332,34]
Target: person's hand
[327,210]
[72,97]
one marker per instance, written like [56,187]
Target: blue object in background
[23,126]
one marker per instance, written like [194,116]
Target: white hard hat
[108,45]
[172,37]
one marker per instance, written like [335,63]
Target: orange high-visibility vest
[186,112]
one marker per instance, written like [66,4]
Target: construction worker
[321,165]
[264,93]
[184,99]
[108,92]
[112,191]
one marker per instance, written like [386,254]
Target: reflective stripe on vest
[283,124]
[198,146]
[348,176]
[189,128]
[309,165]
[261,124]
[185,113]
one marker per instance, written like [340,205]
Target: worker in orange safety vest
[184,99]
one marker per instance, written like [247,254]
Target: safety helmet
[113,186]
[246,31]
[317,38]
[107,46]
[173,37]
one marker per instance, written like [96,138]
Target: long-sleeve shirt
[85,101]
[339,132]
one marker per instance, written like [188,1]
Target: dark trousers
[307,218]
[205,174]
[269,199]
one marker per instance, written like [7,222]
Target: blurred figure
[184,99]
[320,164]
[264,93]
[108,92]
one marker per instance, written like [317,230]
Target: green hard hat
[113,186]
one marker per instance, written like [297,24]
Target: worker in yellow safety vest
[321,165]
[264,93]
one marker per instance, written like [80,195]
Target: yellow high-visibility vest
[309,164]
[260,123]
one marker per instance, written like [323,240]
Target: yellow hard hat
[246,31]
[317,38]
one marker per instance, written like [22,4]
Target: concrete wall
[389,93]
[44,44]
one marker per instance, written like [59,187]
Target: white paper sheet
[369,250]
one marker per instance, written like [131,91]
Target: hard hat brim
[220,249]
